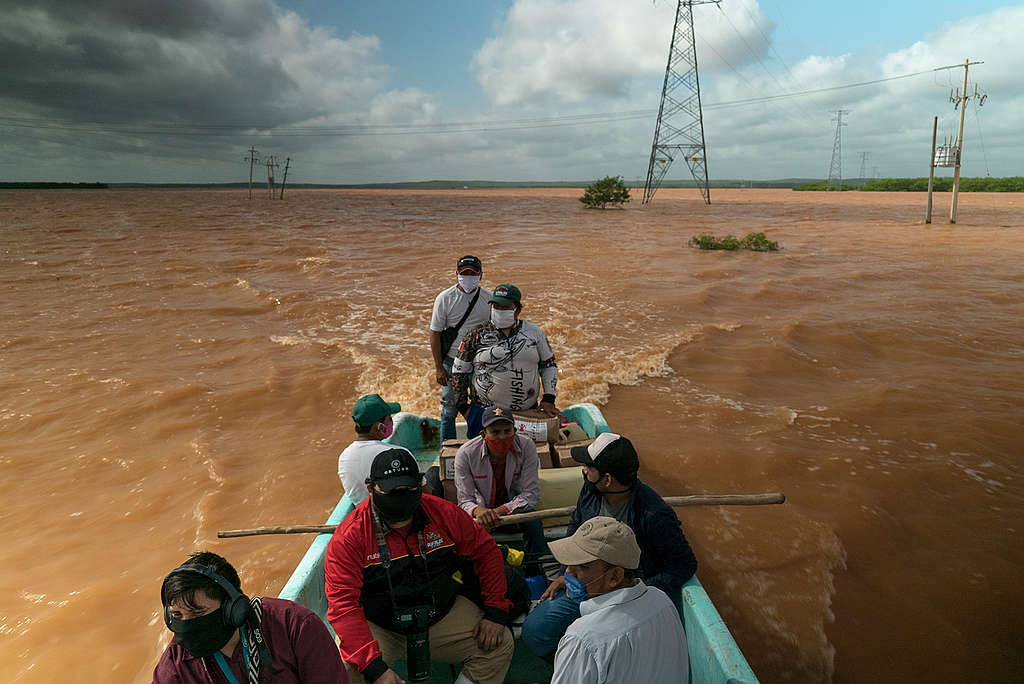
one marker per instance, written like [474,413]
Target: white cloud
[557,51]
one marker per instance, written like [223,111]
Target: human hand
[553,588]
[486,517]
[389,677]
[441,375]
[488,634]
[549,408]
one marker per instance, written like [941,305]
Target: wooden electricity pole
[961,102]
[931,171]
[287,161]
[252,159]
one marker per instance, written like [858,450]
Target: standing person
[504,362]
[496,473]
[389,580]
[457,310]
[611,488]
[627,631]
[221,635]
[373,422]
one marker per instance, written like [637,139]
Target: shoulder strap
[472,303]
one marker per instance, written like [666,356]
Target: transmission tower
[863,165]
[680,126]
[835,170]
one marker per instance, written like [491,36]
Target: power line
[358,130]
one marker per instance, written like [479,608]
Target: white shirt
[354,466]
[449,307]
[629,635]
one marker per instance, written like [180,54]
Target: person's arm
[343,574]
[462,369]
[440,374]
[672,557]
[574,663]
[469,497]
[529,486]
[548,370]
[438,322]
[316,656]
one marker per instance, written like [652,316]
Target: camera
[415,624]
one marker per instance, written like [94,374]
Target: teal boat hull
[714,656]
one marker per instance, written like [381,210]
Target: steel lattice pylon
[835,169]
[680,126]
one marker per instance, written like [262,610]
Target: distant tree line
[943,184]
[25,185]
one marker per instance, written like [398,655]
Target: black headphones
[235,608]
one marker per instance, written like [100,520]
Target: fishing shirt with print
[505,371]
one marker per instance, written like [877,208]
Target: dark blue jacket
[666,560]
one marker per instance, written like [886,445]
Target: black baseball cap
[494,413]
[395,468]
[469,261]
[609,453]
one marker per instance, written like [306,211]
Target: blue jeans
[547,622]
[474,415]
[448,410]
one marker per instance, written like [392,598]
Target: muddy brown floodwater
[177,362]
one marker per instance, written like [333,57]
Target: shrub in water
[756,242]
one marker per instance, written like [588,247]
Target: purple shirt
[301,646]
[474,476]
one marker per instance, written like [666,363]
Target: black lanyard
[385,556]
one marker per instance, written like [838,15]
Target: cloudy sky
[121,90]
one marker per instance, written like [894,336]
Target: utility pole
[835,169]
[960,100]
[271,163]
[287,161]
[931,171]
[680,125]
[252,159]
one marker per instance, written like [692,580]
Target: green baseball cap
[506,294]
[370,408]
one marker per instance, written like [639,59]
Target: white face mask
[503,318]
[469,283]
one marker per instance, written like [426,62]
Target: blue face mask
[574,588]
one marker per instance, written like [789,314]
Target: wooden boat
[714,656]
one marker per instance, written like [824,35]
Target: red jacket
[356,584]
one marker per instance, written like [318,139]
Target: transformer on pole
[679,130]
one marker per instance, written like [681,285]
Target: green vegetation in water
[755,242]
[942,184]
[610,190]
[823,185]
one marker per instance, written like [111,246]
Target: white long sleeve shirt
[628,635]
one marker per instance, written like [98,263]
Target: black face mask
[397,505]
[592,488]
[202,636]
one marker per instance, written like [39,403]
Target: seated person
[219,631]
[372,416]
[627,631]
[394,556]
[611,488]
[496,474]
[504,362]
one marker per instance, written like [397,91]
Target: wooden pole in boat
[696,500]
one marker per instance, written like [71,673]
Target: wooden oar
[697,500]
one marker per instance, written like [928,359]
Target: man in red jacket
[389,573]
